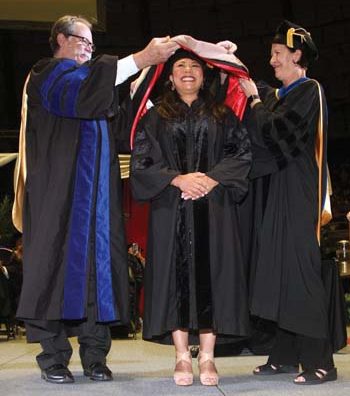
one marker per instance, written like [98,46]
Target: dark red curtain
[136,218]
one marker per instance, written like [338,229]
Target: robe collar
[283,91]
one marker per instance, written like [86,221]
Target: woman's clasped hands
[194,185]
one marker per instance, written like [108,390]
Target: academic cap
[181,53]
[296,37]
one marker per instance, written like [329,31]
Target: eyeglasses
[85,41]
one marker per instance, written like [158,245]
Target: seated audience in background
[13,271]
[136,263]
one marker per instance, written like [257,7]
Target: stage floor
[145,369]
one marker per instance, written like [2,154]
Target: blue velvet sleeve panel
[79,91]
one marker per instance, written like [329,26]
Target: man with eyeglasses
[75,256]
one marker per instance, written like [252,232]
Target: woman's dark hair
[170,106]
[304,60]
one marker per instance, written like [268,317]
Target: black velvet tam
[296,37]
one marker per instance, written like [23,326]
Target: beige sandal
[208,374]
[183,374]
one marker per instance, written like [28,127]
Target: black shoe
[269,369]
[315,377]
[57,374]
[98,372]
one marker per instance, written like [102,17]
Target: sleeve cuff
[126,68]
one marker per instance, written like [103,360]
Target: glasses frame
[84,41]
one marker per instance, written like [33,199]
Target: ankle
[183,356]
[204,356]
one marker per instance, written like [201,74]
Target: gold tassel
[290,39]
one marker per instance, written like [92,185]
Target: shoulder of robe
[311,86]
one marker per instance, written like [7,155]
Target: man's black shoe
[98,372]
[57,374]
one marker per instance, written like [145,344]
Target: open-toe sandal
[183,374]
[208,374]
[272,369]
[315,377]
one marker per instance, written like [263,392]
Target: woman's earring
[172,86]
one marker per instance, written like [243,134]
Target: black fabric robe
[53,143]
[194,276]
[286,285]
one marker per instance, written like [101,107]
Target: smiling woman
[190,160]
[23,13]
[187,79]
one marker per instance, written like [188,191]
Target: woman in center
[190,160]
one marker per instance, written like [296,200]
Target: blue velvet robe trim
[284,90]
[60,95]
[105,298]
[60,90]
[76,275]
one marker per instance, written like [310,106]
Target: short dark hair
[65,26]
[296,37]
[304,60]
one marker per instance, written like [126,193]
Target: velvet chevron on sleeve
[282,128]
[78,91]
[288,130]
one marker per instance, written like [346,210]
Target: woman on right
[287,128]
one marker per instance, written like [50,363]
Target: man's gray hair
[65,25]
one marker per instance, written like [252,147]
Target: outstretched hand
[157,51]
[229,46]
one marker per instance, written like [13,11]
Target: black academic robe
[286,285]
[194,276]
[72,203]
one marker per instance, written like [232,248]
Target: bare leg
[180,338]
[183,374]
[207,371]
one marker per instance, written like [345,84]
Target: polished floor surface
[145,369]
